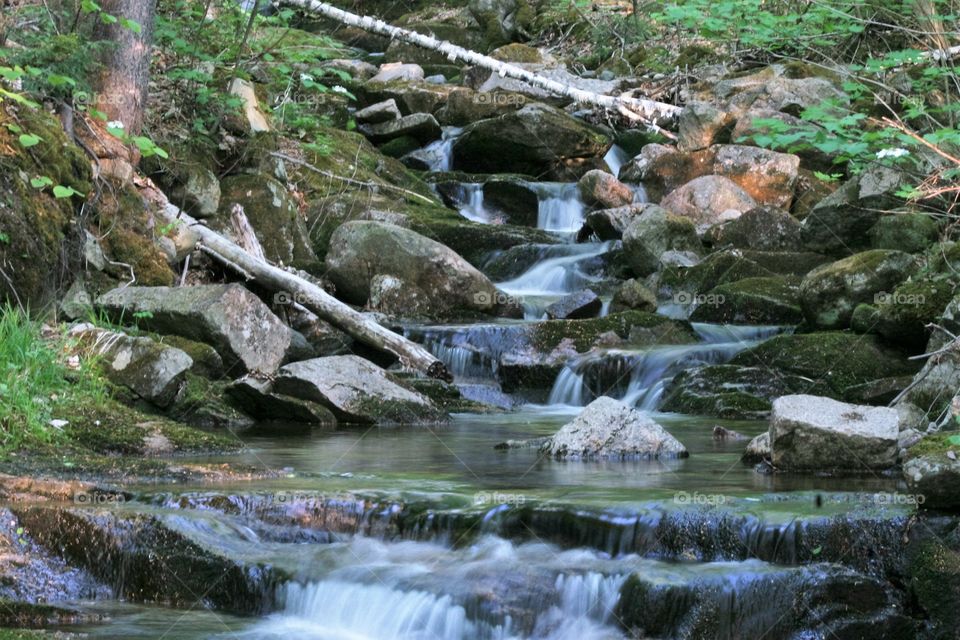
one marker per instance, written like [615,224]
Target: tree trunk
[122,85]
[296,289]
[649,112]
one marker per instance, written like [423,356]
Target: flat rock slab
[607,428]
[812,433]
[356,391]
[248,336]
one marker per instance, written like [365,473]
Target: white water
[639,377]
[472,207]
[560,208]
[615,158]
[439,154]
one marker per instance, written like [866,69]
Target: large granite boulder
[653,233]
[708,200]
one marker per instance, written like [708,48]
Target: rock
[93,256]
[832,361]
[355,390]
[412,97]
[535,140]
[931,472]
[633,294]
[607,428]
[272,212]
[378,112]
[254,120]
[465,106]
[829,293]
[653,233]
[196,190]
[910,232]
[718,268]
[707,201]
[154,372]
[76,302]
[758,449]
[436,281]
[422,126]
[358,69]
[257,398]
[762,229]
[769,89]
[502,20]
[753,125]
[728,391]
[398,71]
[575,306]
[609,224]
[515,198]
[701,125]
[722,433]
[812,433]
[934,387]
[902,315]
[228,317]
[602,190]
[771,300]
[840,224]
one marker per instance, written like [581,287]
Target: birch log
[648,112]
[192,233]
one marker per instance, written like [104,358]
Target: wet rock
[378,112]
[728,391]
[228,317]
[422,126]
[148,559]
[840,224]
[812,433]
[465,106]
[609,224]
[772,300]
[653,233]
[514,198]
[429,278]
[257,398]
[576,306]
[154,372]
[701,125]
[707,201]
[607,428]
[717,268]
[272,212]
[758,449]
[633,294]
[398,71]
[535,140]
[832,361]
[760,229]
[910,232]
[932,472]
[602,190]
[831,292]
[355,390]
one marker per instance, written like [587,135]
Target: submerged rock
[812,433]
[758,449]
[607,428]
[230,318]
[355,390]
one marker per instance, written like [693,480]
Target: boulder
[701,125]
[575,306]
[910,232]
[429,278]
[708,200]
[633,294]
[840,224]
[767,300]
[812,433]
[422,126]
[197,190]
[465,106]
[258,399]
[757,449]
[933,388]
[728,391]
[355,390]
[609,224]
[831,292]
[932,470]
[607,428]
[602,190]
[227,316]
[535,140]
[358,69]
[412,97]
[502,20]
[378,112]
[398,71]
[762,229]
[653,233]
[154,372]
[902,315]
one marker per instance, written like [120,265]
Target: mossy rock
[517,52]
[910,232]
[399,147]
[122,211]
[752,301]
[729,391]
[643,327]
[206,360]
[834,359]
[904,314]
[205,404]
[718,268]
[695,55]
[933,570]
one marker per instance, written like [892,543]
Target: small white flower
[115,124]
[340,89]
[892,153]
[306,76]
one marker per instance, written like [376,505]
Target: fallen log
[649,112]
[192,233]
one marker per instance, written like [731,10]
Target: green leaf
[28,140]
[954,440]
[107,18]
[132,25]
[40,182]
[89,6]
[61,191]
[56,80]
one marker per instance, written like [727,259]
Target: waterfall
[560,208]
[639,377]
[439,154]
[615,158]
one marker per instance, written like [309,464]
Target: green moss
[123,214]
[934,445]
[584,333]
[912,306]
[206,404]
[752,301]
[516,52]
[797,69]
[910,232]
[695,55]
[935,583]
[399,146]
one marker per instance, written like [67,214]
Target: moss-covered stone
[752,301]
[836,360]
[718,268]
[910,232]
[648,328]
[399,147]
[517,52]
[205,404]
[904,314]
[122,211]
[728,391]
